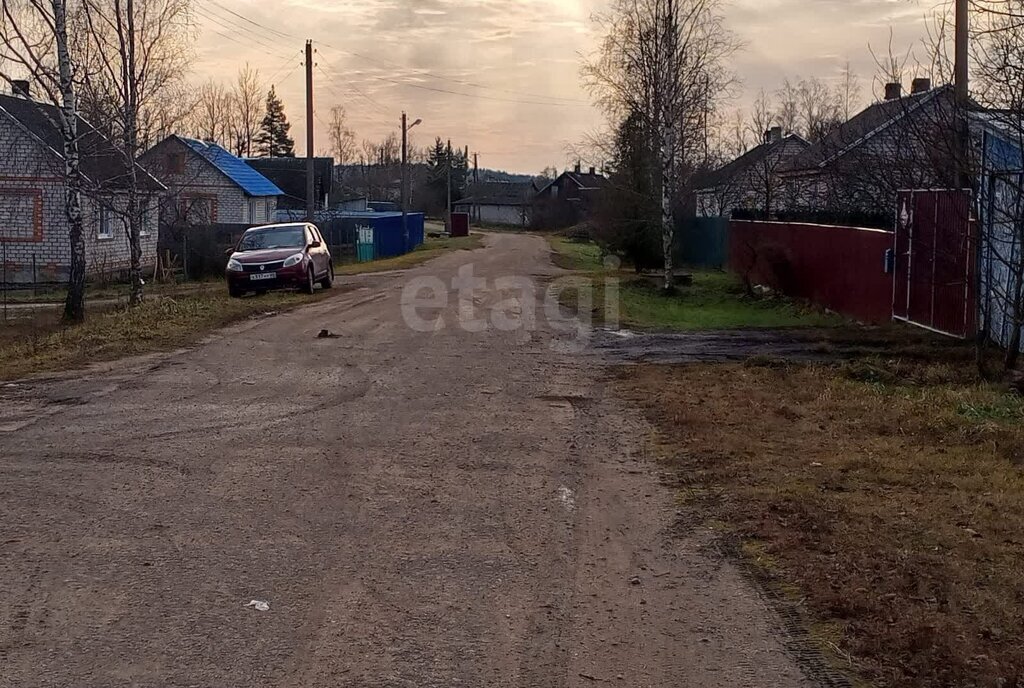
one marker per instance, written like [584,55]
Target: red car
[280,257]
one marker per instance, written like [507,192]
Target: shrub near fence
[841,268]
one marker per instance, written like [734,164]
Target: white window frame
[105,227]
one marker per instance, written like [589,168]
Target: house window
[197,211]
[106,226]
[21,215]
[146,218]
[257,210]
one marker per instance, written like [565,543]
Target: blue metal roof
[236,169]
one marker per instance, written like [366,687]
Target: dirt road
[439,508]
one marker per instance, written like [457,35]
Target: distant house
[289,175]
[750,182]
[208,185]
[903,142]
[498,203]
[569,198]
[33,223]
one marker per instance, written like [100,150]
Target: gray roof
[746,161]
[498,193]
[101,161]
[863,126]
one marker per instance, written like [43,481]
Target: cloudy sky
[502,76]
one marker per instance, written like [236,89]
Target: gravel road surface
[418,508]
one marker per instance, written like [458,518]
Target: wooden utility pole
[405,200]
[310,186]
[961,68]
[476,168]
[449,206]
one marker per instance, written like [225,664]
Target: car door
[319,254]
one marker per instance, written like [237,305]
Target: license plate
[256,277]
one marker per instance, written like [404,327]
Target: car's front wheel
[234,292]
[310,281]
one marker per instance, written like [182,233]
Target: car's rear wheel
[328,281]
[310,281]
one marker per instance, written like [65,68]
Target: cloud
[379,57]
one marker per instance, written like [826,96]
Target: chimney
[577,168]
[921,85]
[773,135]
[593,171]
[21,88]
[893,91]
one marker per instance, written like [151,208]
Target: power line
[367,98]
[415,71]
[468,95]
[231,26]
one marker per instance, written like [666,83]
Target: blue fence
[386,233]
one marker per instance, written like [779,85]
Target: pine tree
[273,140]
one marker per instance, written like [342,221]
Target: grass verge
[431,248]
[158,324]
[715,300]
[889,494]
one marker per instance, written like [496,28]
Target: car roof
[278,226]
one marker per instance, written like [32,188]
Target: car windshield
[274,237]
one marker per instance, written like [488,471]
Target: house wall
[841,268]
[33,224]
[510,215]
[198,179]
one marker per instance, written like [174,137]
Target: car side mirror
[315,244]
[229,250]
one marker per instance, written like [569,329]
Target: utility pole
[961,69]
[476,168]
[405,200]
[449,206]
[310,186]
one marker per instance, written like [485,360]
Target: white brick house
[208,185]
[34,244]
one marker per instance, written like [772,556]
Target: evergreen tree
[273,141]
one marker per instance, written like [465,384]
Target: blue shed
[384,230]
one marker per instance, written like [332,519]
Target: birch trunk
[74,305]
[131,141]
[667,214]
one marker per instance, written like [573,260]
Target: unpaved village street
[443,508]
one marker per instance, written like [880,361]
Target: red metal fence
[934,284]
[841,268]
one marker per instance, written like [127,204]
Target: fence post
[184,253]
[35,281]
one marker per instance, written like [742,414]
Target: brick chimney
[593,171]
[893,91]
[773,135]
[577,168]
[921,85]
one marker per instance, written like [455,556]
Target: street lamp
[405,178]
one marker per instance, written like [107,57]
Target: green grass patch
[1007,408]
[714,301]
[431,248]
[571,254]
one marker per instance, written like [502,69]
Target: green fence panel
[703,242]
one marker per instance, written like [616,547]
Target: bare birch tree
[247,99]
[34,33]
[138,49]
[343,139]
[664,60]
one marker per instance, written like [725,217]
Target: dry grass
[890,494]
[41,343]
[431,249]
